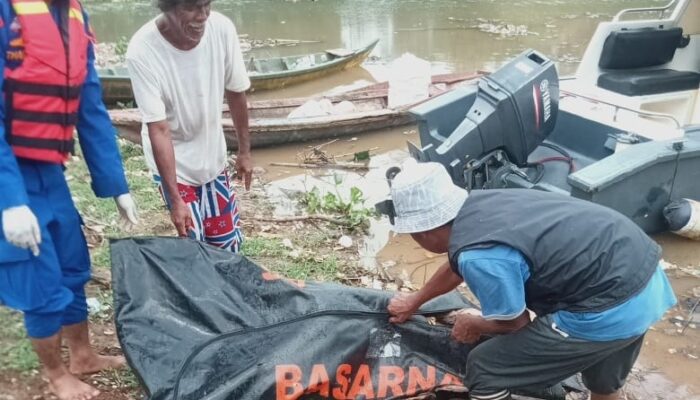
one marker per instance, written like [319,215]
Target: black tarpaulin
[196,322]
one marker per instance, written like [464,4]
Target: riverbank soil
[318,250]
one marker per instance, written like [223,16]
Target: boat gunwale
[357,54]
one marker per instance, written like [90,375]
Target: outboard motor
[507,116]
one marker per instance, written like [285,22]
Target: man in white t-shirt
[182,64]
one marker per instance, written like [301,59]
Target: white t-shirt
[186,88]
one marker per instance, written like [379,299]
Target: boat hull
[287,78]
[270,126]
[265,133]
[116,85]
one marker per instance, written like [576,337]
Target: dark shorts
[538,356]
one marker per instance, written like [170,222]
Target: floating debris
[505,30]
[497,27]
[345,241]
[113,54]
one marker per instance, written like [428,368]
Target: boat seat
[640,83]
[630,59]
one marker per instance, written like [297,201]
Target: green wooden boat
[265,73]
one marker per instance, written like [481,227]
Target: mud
[668,366]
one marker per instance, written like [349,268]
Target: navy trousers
[48,289]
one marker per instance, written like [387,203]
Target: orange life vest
[42,95]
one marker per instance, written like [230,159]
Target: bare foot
[95,363]
[68,387]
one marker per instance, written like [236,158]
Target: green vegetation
[121,378]
[121,46]
[16,351]
[303,261]
[352,212]
[100,215]
[305,254]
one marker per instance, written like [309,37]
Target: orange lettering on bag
[362,384]
[270,276]
[288,379]
[390,378]
[341,376]
[416,379]
[319,381]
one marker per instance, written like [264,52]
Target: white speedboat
[623,132]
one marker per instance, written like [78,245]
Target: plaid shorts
[214,210]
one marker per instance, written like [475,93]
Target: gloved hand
[21,228]
[128,214]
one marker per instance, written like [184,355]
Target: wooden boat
[276,73]
[116,85]
[270,125]
[265,73]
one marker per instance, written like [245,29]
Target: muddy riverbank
[669,364]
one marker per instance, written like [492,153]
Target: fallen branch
[303,218]
[352,154]
[102,278]
[352,166]
[690,316]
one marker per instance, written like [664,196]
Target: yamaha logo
[546,100]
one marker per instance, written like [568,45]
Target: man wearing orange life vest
[50,88]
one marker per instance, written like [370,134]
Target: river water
[450,33]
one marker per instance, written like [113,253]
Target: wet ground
[454,36]
[669,365]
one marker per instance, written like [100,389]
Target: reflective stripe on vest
[43,94]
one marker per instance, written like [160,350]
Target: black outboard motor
[511,112]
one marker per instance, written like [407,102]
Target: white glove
[128,215]
[21,228]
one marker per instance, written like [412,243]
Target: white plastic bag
[409,80]
[312,108]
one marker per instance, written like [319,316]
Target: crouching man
[590,275]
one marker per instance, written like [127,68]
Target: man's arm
[164,156]
[497,278]
[402,306]
[236,83]
[496,327]
[238,105]
[14,194]
[443,281]
[98,137]
[469,328]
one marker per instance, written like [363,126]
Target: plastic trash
[322,107]
[312,108]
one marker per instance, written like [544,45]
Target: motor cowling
[514,110]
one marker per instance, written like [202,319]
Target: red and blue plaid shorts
[214,210]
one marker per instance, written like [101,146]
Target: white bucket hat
[424,197]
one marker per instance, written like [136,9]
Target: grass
[122,378]
[16,351]
[310,257]
[302,262]
[102,213]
